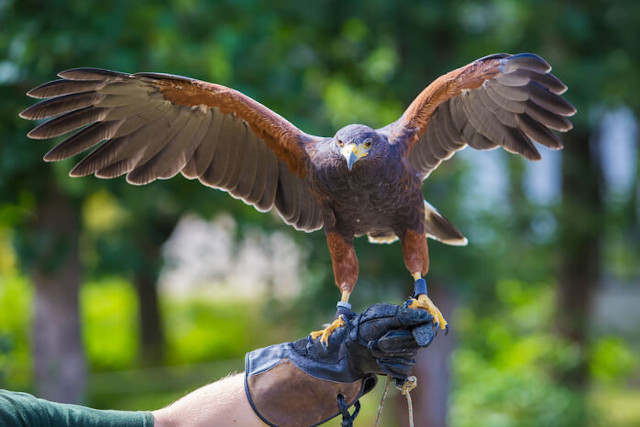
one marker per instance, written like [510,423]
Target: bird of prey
[360,181]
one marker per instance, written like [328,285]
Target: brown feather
[83,140]
[550,101]
[68,122]
[547,118]
[281,137]
[237,146]
[63,104]
[152,126]
[200,161]
[248,171]
[538,132]
[169,158]
[64,87]
[258,185]
[500,100]
[98,74]
[220,161]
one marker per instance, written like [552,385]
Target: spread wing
[500,100]
[152,126]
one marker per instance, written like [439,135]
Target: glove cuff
[282,394]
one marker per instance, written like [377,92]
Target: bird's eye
[340,143]
[367,144]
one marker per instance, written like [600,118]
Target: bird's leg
[343,313]
[416,258]
[421,300]
[345,271]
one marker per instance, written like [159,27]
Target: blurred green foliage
[15,320]
[613,360]
[199,331]
[505,365]
[109,324]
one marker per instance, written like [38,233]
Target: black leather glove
[303,383]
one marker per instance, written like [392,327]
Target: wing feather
[248,171]
[199,163]
[500,100]
[83,140]
[538,132]
[54,106]
[58,88]
[547,118]
[98,74]
[522,77]
[127,146]
[236,143]
[507,104]
[512,93]
[116,169]
[220,161]
[549,100]
[449,127]
[68,122]
[152,126]
[288,204]
[258,185]
[165,161]
[503,115]
[271,183]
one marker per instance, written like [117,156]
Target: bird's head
[355,142]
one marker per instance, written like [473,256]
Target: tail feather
[439,228]
[436,227]
[382,237]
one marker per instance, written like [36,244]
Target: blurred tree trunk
[580,239]
[59,363]
[430,397]
[148,238]
[152,337]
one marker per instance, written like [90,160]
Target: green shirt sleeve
[22,409]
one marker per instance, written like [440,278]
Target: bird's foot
[425,303]
[325,333]
[342,315]
[421,300]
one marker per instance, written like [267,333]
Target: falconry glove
[304,383]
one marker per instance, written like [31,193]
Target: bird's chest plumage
[374,196]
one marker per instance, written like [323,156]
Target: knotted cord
[409,384]
[405,389]
[381,405]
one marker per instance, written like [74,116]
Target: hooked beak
[352,152]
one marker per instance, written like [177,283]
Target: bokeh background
[127,297]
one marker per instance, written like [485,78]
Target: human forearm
[22,409]
[222,403]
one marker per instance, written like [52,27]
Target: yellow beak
[352,152]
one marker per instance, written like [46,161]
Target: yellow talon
[425,303]
[325,333]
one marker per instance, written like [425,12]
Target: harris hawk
[361,181]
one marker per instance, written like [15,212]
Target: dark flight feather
[500,100]
[151,126]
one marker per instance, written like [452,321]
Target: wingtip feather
[89,73]
[527,60]
[24,113]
